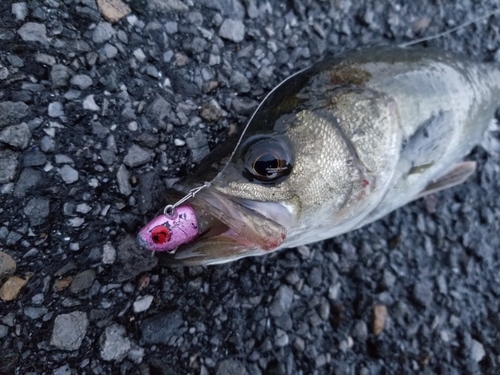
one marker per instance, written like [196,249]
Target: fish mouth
[231,228]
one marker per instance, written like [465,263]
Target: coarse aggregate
[100,113]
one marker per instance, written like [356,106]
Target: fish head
[280,189]
[300,171]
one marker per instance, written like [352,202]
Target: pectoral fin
[429,143]
[457,175]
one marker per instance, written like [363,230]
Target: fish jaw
[236,229]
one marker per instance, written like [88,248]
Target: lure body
[167,233]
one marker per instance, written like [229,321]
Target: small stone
[4,73]
[56,110]
[15,61]
[69,330]
[20,11]
[230,367]
[232,30]
[171,27]
[68,174]
[29,179]
[159,109]
[90,104]
[33,158]
[389,279]
[17,136]
[45,59]
[113,10]
[7,265]
[82,281]
[422,293]
[63,370]
[324,310]
[114,343]
[143,303]
[136,354]
[299,344]
[11,288]
[33,32]
[12,112]
[8,165]
[83,208]
[150,191]
[139,55]
[360,331]
[282,301]
[211,111]
[59,75]
[108,157]
[110,51]
[82,81]
[35,312]
[379,318]
[63,159]
[62,284]
[123,180]
[281,338]
[179,142]
[37,210]
[198,145]
[137,156]
[166,6]
[4,330]
[38,299]
[47,144]
[103,32]
[152,72]
[108,254]
[315,277]
[239,82]
[160,328]
[477,351]
[244,106]
[132,261]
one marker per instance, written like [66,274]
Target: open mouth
[226,229]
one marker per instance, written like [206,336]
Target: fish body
[339,145]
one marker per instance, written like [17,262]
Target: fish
[335,147]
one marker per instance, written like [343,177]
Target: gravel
[160,328]
[12,112]
[33,32]
[114,344]
[103,108]
[69,330]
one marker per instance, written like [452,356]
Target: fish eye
[266,160]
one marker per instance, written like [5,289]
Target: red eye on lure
[161,234]
[168,232]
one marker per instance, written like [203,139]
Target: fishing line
[169,210]
[452,30]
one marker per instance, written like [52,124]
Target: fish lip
[250,230]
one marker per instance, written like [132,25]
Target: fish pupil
[266,160]
[161,234]
[267,165]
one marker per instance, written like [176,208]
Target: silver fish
[337,146]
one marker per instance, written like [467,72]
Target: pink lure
[167,233]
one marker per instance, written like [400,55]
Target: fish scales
[339,145]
